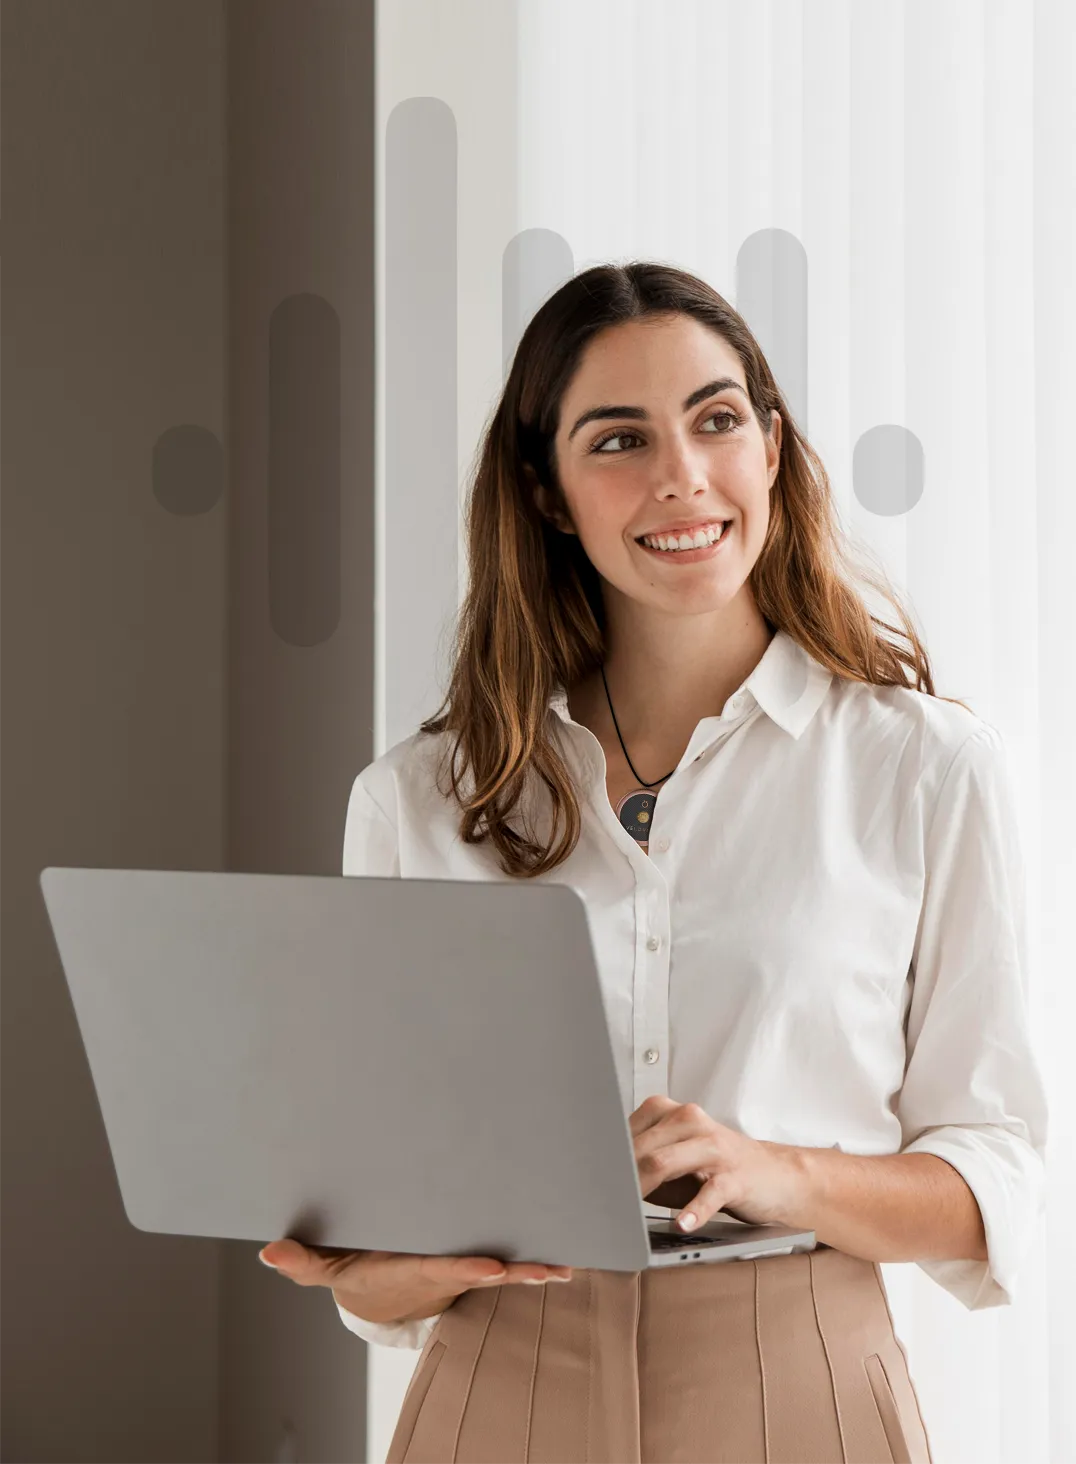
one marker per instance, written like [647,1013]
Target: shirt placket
[653,927]
[650,1003]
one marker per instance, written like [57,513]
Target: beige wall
[172,171]
[113,675]
[300,695]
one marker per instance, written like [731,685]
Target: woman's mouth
[686,555]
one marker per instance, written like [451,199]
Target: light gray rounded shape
[887,469]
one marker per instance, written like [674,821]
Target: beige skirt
[785,1360]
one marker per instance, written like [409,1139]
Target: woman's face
[645,444]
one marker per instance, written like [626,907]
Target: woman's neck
[661,692]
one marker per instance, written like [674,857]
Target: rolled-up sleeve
[973,1091]
[371,847]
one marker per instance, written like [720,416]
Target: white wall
[920,158]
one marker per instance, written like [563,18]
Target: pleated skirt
[785,1360]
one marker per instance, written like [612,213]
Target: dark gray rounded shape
[188,469]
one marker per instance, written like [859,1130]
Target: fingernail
[559,1278]
[535,1280]
[687,1220]
[265,1262]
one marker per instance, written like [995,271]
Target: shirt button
[653,943]
[737,701]
[651,1054]
[663,844]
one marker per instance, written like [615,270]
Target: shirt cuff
[1005,1174]
[390,1334]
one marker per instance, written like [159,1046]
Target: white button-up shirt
[824,946]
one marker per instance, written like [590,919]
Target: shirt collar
[788,684]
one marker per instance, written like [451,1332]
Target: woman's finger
[678,1121]
[650,1111]
[671,1162]
[709,1201]
[283,1254]
[304,1264]
[307,1267]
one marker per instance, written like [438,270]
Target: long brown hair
[533,613]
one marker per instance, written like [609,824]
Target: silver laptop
[367,1063]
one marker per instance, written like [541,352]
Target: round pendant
[636,813]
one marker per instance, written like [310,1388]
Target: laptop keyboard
[662,1241]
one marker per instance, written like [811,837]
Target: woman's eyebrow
[639,414]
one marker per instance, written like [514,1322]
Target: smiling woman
[702,455]
[804,887]
[639,406]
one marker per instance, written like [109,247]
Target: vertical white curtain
[922,157]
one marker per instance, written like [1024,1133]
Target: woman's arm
[886,1207]
[961,1194]
[880,1207]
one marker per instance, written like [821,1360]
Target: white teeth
[672,543]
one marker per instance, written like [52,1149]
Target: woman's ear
[547,505]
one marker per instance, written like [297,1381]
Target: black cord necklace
[636,809]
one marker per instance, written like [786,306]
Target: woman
[812,969]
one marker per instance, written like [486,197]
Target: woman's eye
[613,437]
[730,417]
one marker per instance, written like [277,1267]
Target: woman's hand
[678,1145]
[393,1286]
